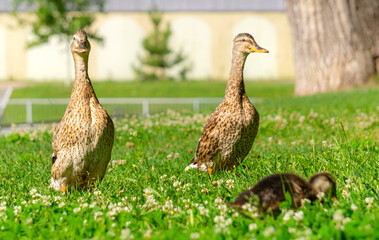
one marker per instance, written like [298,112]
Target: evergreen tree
[158,57]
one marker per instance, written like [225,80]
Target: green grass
[50,113]
[336,132]
[156,89]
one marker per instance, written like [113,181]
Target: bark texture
[335,43]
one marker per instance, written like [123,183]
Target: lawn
[146,193]
[156,89]
[50,113]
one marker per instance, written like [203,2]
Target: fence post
[29,112]
[145,107]
[196,105]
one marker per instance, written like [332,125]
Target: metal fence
[42,110]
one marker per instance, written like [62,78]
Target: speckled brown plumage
[231,129]
[83,140]
[269,192]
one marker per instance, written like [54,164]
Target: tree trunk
[330,44]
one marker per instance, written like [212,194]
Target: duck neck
[82,85]
[235,88]
[81,67]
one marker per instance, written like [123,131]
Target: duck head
[324,182]
[245,43]
[80,44]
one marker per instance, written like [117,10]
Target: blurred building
[202,29]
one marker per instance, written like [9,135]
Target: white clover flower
[76,210]
[17,210]
[228,221]
[33,191]
[84,205]
[346,220]
[338,215]
[167,206]
[298,216]
[235,214]
[348,183]
[3,208]
[29,221]
[220,181]
[345,193]
[195,204]
[97,193]
[269,231]
[204,190]
[148,194]
[218,200]
[302,119]
[321,195]
[288,214]
[305,200]
[126,234]
[177,184]
[222,208]
[195,235]
[353,207]
[369,200]
[270,139]
[253,226]
[147,234]
[291,230]
[57,198]
[97,215]
[219,219]
[229,183]
[150,203]
[163,177]
[203,211]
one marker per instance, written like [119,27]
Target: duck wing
[207,149]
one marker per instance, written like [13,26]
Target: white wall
[259,65]
[122,43]
[192,37]
[2,53]
[50,61]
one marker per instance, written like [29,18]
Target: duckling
[231,129]
[269,192]
[83,140]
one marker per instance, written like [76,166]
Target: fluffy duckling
[231,129]
[83,140]
[269,192]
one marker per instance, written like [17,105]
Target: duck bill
[82,48]
[258,49]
